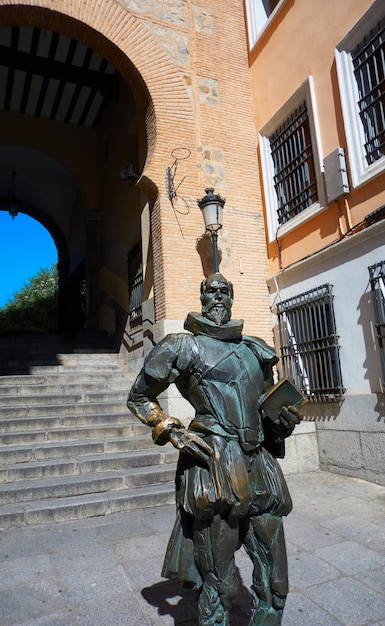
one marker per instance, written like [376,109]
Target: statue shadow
[166,597]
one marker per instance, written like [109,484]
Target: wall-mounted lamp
[211,206]
[127,172]
[12,203]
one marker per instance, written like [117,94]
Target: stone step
[106,376]
[47,368]
[23,352]
[69,447]
[56,410]
[30,424]
[63,386]
[80,338]
[53,357]
[24,344]
[54,340]
[63,399]
[101,504]
[64,450]
[89,360]
[97,482]
[59,349]
[73,485]
[80,465]
[70,434]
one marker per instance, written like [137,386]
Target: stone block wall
[351,438]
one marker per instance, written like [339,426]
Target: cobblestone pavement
[106,571]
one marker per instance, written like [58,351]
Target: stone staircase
[69,447]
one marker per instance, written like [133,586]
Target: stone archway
[120,37]
[159,90]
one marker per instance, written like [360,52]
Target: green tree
[35,306]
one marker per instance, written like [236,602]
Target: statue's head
[217,299]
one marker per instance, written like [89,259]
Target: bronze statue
[230,489]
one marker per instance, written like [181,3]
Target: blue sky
[25,248]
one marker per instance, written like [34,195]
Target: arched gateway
[87,86]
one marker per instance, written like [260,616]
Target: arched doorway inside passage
[44,191]
[28,275]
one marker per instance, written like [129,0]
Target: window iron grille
[369,70]
[377,283]
[309,344]
[135,282]
[292,153]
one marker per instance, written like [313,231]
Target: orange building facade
[318,79]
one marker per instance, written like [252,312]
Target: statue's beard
[217,314]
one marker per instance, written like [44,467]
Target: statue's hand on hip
[187,441]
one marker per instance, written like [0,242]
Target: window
[292,154]
[290,157]
[309,344]
[377,283]
[135,282]
[258,13]
[360,60]
[369,71]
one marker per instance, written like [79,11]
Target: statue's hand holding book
[282,405]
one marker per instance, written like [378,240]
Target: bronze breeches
[233,484]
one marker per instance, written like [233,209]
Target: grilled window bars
[135,282]
[369,70]
[309,344]
[294,173]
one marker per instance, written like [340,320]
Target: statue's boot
[266,616]
[211,610]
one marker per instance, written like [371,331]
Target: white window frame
[257,18]
[304,93]
[360,171]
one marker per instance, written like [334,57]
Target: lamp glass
[212,215]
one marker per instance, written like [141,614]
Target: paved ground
[105,571]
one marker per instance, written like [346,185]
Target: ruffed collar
[199,325]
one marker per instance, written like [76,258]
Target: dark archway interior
[71,136]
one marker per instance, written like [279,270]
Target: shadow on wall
[321,411]
[330,412]
[204,248]
[372,362]
[380,407]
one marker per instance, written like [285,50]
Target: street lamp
[211,206]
